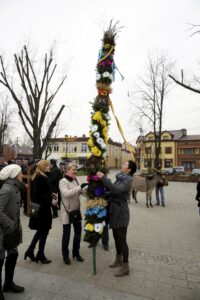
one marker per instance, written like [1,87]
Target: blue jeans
[160,189]
[66,239]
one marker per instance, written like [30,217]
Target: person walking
[119,213]
[10,225]
[41,194]
[70,201]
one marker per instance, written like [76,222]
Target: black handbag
[35,208]
[74,215]
[34,216]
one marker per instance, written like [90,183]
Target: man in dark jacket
[54,178]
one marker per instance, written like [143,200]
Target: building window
[56,147]
[165,137]
[72,147]
[150,138]
[148,150]
[189,151]
[168,163]
[189,164]
[83,147]
[168,150]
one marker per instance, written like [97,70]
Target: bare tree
[4,118]
[35,99]
[152,93]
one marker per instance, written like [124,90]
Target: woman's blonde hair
[40,169]
[69,166]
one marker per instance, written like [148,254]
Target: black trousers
[105,236]
[121,245]
[41,236]
[66,239]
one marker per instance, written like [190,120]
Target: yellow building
[145,150]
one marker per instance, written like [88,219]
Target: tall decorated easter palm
[96,203]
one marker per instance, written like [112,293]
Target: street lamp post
[141,137]
[66,145]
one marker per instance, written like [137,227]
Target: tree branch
[188,87]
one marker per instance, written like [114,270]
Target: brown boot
[117,262]
[124,270]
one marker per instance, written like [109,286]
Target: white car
[196,172]
[168,171]
[179,170]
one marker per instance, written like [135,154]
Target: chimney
[184,132]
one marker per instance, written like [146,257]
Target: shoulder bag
[74,215]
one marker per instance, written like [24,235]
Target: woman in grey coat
[10,226]
[119,213]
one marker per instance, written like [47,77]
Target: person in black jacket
[41,194]
[198,194]
[54,177]
[119,213]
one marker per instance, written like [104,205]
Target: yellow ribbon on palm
[120,128]
[103,58]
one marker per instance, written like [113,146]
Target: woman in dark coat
[10,225]
[42,195]
[119,213]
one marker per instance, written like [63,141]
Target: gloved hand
[84,185]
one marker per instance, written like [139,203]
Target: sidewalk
[164,257]
[40,286]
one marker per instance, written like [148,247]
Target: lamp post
[141,137]
[66,145]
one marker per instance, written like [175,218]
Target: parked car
[168,171]
[179,170]
[196,172]
[80,167]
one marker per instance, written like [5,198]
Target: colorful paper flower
[100,191]
[106,74]
[94,128]
[90,142]
[95,151]
[102,214]
[96,134]
[97,116]
[98,227]
[89,227]
[98,76]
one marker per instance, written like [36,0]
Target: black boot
[29,253]
[1,292]
[42,259]
[9,285]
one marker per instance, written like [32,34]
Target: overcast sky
[77,27]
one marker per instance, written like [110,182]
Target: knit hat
[10,171]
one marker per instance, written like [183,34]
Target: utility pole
[141,140]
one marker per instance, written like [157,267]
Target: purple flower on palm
[99,191]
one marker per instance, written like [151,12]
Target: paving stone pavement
[164,256]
